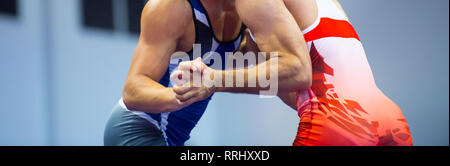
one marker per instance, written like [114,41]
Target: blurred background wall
[63,64]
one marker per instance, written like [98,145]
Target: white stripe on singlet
[140,114]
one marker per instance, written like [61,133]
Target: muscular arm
[162,24]
[275,30]
[249,45]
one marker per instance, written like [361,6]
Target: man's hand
[192,82]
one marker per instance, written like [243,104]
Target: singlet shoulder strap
[199,12]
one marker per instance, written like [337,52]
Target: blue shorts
[124,128]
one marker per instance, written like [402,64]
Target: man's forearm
[287,70]
[245,88]
[141,95]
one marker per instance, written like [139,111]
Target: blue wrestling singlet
[177,126]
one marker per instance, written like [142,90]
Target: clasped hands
[193,81]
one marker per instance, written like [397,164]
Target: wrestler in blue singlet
[177,126]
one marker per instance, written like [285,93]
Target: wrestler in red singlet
[344,107]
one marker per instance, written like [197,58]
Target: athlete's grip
[187,88]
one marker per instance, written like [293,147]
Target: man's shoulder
[167,7]
[169,16]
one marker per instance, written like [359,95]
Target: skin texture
[255,15]
[275,31]
[168,27]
